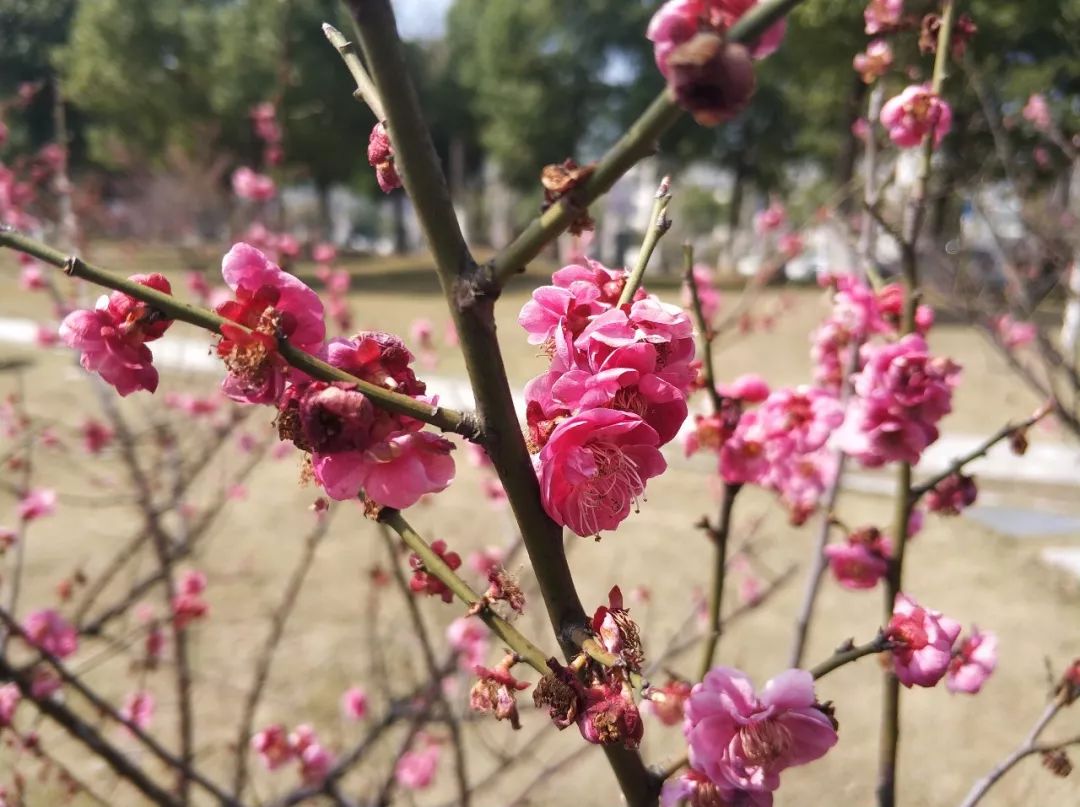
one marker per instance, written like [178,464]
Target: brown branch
[849,652]
[265,659]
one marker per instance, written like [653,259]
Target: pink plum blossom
[973,663]
[882,15]
[693,789]
[915,113]
[770,219]
[37,503]
[741,740]
[247,184]
[667,703]
[417,767]
[354,703]
[874,62]
[1037,112]
[861,560]
[952,494]
[10,696]
[381,158]
[470,639]
[595,466]
[112,337]
[138,709]
[923,642]
[423,582]
[1015,334]
[96,436]
[324,253]
[315,762]
[901,394]
[269,301]
[273,747]
[749,388]
[677,21]
[48,631]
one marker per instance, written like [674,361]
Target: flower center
[616,480]
[765,741]
[909,632]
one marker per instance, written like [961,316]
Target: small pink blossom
[45,683]
[192,583]
[48,631]
[423,582]
[770,219]
[667,703]
[952,494]
[324,253]
[862,560]
[417,767]
[741,740]
[486,560]
[138,709]
[882,15]
[10,695]
[973,663]
[112,337]
[354,703]
[791,245]
[496,691]
[31,278]
[381,158]
[693,789]
[924,640]
[47,335]
[677,21]
[247,184]
[471,640]
[1037,112]
[315,763]
[1015,334]
[874,62]
[37,503]
[595,466]
[914,114]
[749,388]
[273,746]
[96,436]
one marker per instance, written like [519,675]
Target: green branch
[448,420]
[639,142]
[436,566]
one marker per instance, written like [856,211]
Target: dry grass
[335,638]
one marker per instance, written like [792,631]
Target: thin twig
[848,653]
[432,665]
[658,224]
[265,659]
[1028,747]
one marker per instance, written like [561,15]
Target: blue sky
[421,18]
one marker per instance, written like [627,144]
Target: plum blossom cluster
[900,395]
[614,393]
[707,75]
[353,445]
[277,747]
[597,698]
[741,741]
[926,647]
